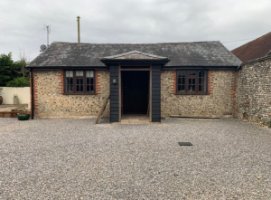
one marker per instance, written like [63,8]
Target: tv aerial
[48,31]
[43,47]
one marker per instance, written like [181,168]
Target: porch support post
[114,93]
[156,94]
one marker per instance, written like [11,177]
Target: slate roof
[179,54]
[254,49]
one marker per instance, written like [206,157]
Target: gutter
[32,94]
[201,67]
[66,67]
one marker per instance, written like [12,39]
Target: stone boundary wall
[219,101]
[50,101]
[254,91]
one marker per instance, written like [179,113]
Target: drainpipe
[32,93]
[78,29]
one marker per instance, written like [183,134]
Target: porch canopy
[135,59]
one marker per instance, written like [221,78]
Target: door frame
[143,68]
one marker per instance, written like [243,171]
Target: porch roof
[134,55]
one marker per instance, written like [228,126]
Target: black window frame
[186,75]
[74,82]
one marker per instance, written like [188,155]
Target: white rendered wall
[23,94]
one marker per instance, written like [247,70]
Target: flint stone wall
[254,91]
[50,101]
[219,101]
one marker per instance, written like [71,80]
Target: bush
[10,70]
[19,82]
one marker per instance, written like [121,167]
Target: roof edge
[139,43]
[266,57]
[237,48]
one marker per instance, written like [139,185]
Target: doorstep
[135,119]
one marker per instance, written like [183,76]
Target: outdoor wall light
[114,81]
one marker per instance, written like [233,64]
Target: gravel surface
[75,159]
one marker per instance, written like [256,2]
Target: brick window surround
[192,82]
[79,82]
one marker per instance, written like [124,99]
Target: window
[79,82]
[90,81]
[191,82]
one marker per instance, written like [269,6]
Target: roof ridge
[254,49]
[192,42]
[252,41]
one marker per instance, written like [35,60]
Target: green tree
[6,60]
[19,67]
[18,82]
[5,75]
[10,70]
[5,70]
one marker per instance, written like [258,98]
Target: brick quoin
[174,82]
[61,82]
[35,89]
[210,82]
[97,82]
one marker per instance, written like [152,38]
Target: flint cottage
[74,80]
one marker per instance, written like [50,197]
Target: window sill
[82,94]
[205,94]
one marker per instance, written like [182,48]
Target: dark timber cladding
[114,94]
[155,77]
[140,60]
[156,93]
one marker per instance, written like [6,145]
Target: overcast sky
[233,22]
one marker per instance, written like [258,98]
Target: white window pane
[89,74]
[69,74]
[79,73]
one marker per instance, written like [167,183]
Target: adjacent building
[254,80]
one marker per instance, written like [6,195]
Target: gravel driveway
[75,159]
